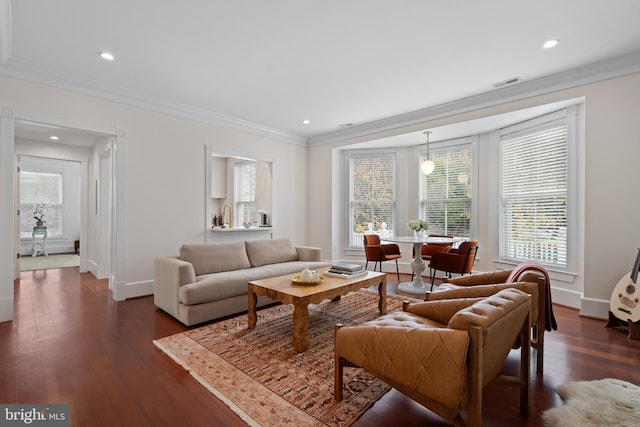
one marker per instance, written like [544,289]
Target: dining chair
[459,261]
[428,249]
[378,253]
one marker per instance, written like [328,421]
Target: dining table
[417,285]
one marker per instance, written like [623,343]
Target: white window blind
[445,194]
[245,191]
[534,195]
[40,191]
[372,196]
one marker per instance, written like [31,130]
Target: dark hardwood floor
[70,343]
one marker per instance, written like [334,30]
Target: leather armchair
[534,281]
[442,353]
[378,252]
[458,260]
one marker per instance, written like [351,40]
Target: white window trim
[449,144]
[348,155]
[64,203]
[575,191]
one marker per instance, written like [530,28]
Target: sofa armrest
[309,253]
[169,275]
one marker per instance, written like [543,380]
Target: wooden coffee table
[282,289]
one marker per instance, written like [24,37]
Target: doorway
[49,200]
[91,227]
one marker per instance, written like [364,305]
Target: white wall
[611,231]
[164,171]
[164,179]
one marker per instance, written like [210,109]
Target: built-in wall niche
[239,186]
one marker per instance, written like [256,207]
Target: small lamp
[427,165]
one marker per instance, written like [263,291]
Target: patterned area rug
[606,402]
[257,373]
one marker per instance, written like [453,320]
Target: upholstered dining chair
[459,261]
[442,353]
[428,249]
[378,253]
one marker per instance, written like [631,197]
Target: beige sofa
[209,281]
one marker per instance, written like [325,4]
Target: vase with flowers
[38,215]
[419,228]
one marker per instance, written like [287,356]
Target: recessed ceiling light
[550,43]
[306,121]
[54,138]
[107,56]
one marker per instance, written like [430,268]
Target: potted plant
[38,215]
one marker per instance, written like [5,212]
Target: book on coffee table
[348,268]
[343,274]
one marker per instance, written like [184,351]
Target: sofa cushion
[263,252]
[213,258]
[227,284]
[216,287]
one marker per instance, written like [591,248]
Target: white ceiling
[271,64]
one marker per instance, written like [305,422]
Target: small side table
[39,232]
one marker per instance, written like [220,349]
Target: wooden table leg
[382,290]
[300,327]
[251,310]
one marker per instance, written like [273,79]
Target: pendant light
[427,165]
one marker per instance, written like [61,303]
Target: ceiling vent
[507,82]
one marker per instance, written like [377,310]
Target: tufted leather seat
[442,353]
[530,281]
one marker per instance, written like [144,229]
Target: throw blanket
[548,307]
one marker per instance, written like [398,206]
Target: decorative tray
[296,281]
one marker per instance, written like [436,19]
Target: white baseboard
[598,309]
[6,309]
[91,267]
[124,291]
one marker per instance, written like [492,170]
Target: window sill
[562,276]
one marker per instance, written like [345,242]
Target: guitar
[625,297]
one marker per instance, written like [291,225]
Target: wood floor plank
[71,343]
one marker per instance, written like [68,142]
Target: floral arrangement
[38,212]
[417,225]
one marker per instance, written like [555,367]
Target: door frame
[9,267]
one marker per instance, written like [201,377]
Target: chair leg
[397,271]
[366,264]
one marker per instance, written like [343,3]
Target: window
[372,195]
[40,192]
[445,194]
[245,191]
[534,176]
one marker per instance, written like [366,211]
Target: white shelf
[241,229]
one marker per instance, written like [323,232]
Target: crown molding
[615,67]
[25,71]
